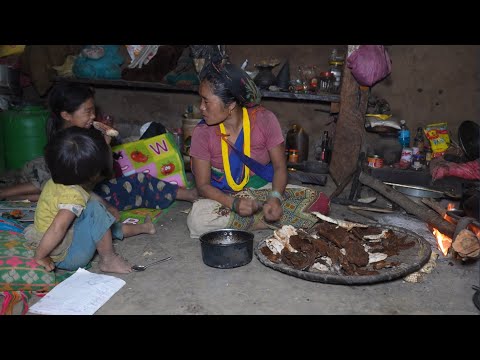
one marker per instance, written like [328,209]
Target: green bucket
[2,145]
[24,134]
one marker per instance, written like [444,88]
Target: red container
[375,162]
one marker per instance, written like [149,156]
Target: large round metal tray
[411,259]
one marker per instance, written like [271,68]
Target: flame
[443,241]
[475,230]
[450,206]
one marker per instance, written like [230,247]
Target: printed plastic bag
[369,64]
[141,54]
[158,156]
[438,136]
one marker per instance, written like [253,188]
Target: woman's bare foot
[136,229]
[187,194]
[148,226]
[114,263]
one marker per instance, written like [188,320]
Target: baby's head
[78,156]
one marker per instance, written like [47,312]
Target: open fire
[443,241]
[466,242]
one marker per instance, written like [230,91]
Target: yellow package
[437,135]
[441,130]
[7,50]
[379,116]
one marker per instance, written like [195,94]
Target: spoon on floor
[144,267]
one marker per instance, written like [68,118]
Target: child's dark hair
[65,96]
[77,156]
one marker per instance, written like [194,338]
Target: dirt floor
[186,286]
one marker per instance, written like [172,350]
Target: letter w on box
[158,156]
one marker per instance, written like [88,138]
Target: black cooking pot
[227,248]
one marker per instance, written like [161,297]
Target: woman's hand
[246,206]
[46,262]
[272,209]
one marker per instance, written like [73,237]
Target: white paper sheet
[83,293]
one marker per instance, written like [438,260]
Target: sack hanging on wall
[158,156]
[369,64]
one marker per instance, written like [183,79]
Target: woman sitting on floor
[238,161]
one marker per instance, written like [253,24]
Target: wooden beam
[411,207]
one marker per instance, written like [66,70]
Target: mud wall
[429,83]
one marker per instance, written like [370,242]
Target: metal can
[407,154]
[417,161]
[293,156]
[428,158]
[375,161]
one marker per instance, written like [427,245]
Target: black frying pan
[469,139]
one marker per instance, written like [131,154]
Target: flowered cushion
[18,270]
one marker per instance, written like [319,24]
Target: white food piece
[320,267]
[342,223]
[327,260]
[377,237]
[274,245]
[283,235]
[281,239]
[376,257]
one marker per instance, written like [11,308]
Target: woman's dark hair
[219,87]
[231,84]
[76,156]
[65,96]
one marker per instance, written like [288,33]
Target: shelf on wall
[157,86]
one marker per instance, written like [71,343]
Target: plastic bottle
[404,134]
[325,149]
[302,142]
[419,140]
[336,68]
[178,134]
[297,139]
[293,156]
[291,139]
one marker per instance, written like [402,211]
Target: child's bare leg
[32,197]
[109,260]
[19,191]
[136,229]
[187,194]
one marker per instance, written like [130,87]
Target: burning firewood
[467,245]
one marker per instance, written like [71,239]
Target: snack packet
[438,136]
